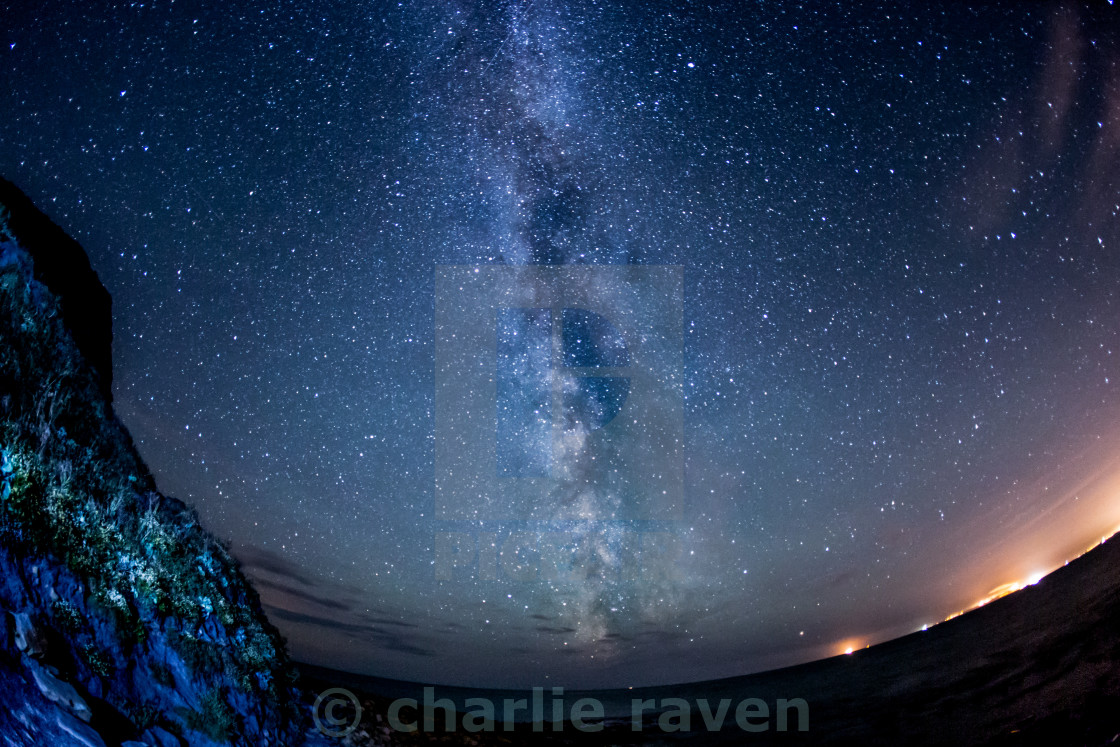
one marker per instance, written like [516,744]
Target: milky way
[599,344]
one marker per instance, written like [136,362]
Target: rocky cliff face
[59,263]
[121,619]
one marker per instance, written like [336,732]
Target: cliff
[121,619]
[59,263]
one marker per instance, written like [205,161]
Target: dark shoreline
[1041,666]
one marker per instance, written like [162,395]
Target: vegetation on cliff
[148,611]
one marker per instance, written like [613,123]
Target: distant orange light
[849,645]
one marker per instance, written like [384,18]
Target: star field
[899,355]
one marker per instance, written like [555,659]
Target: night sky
[857,271]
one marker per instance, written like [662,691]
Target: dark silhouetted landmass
[61,265]
[121,618]
[1039,667]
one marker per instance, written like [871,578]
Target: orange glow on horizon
[849,646]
